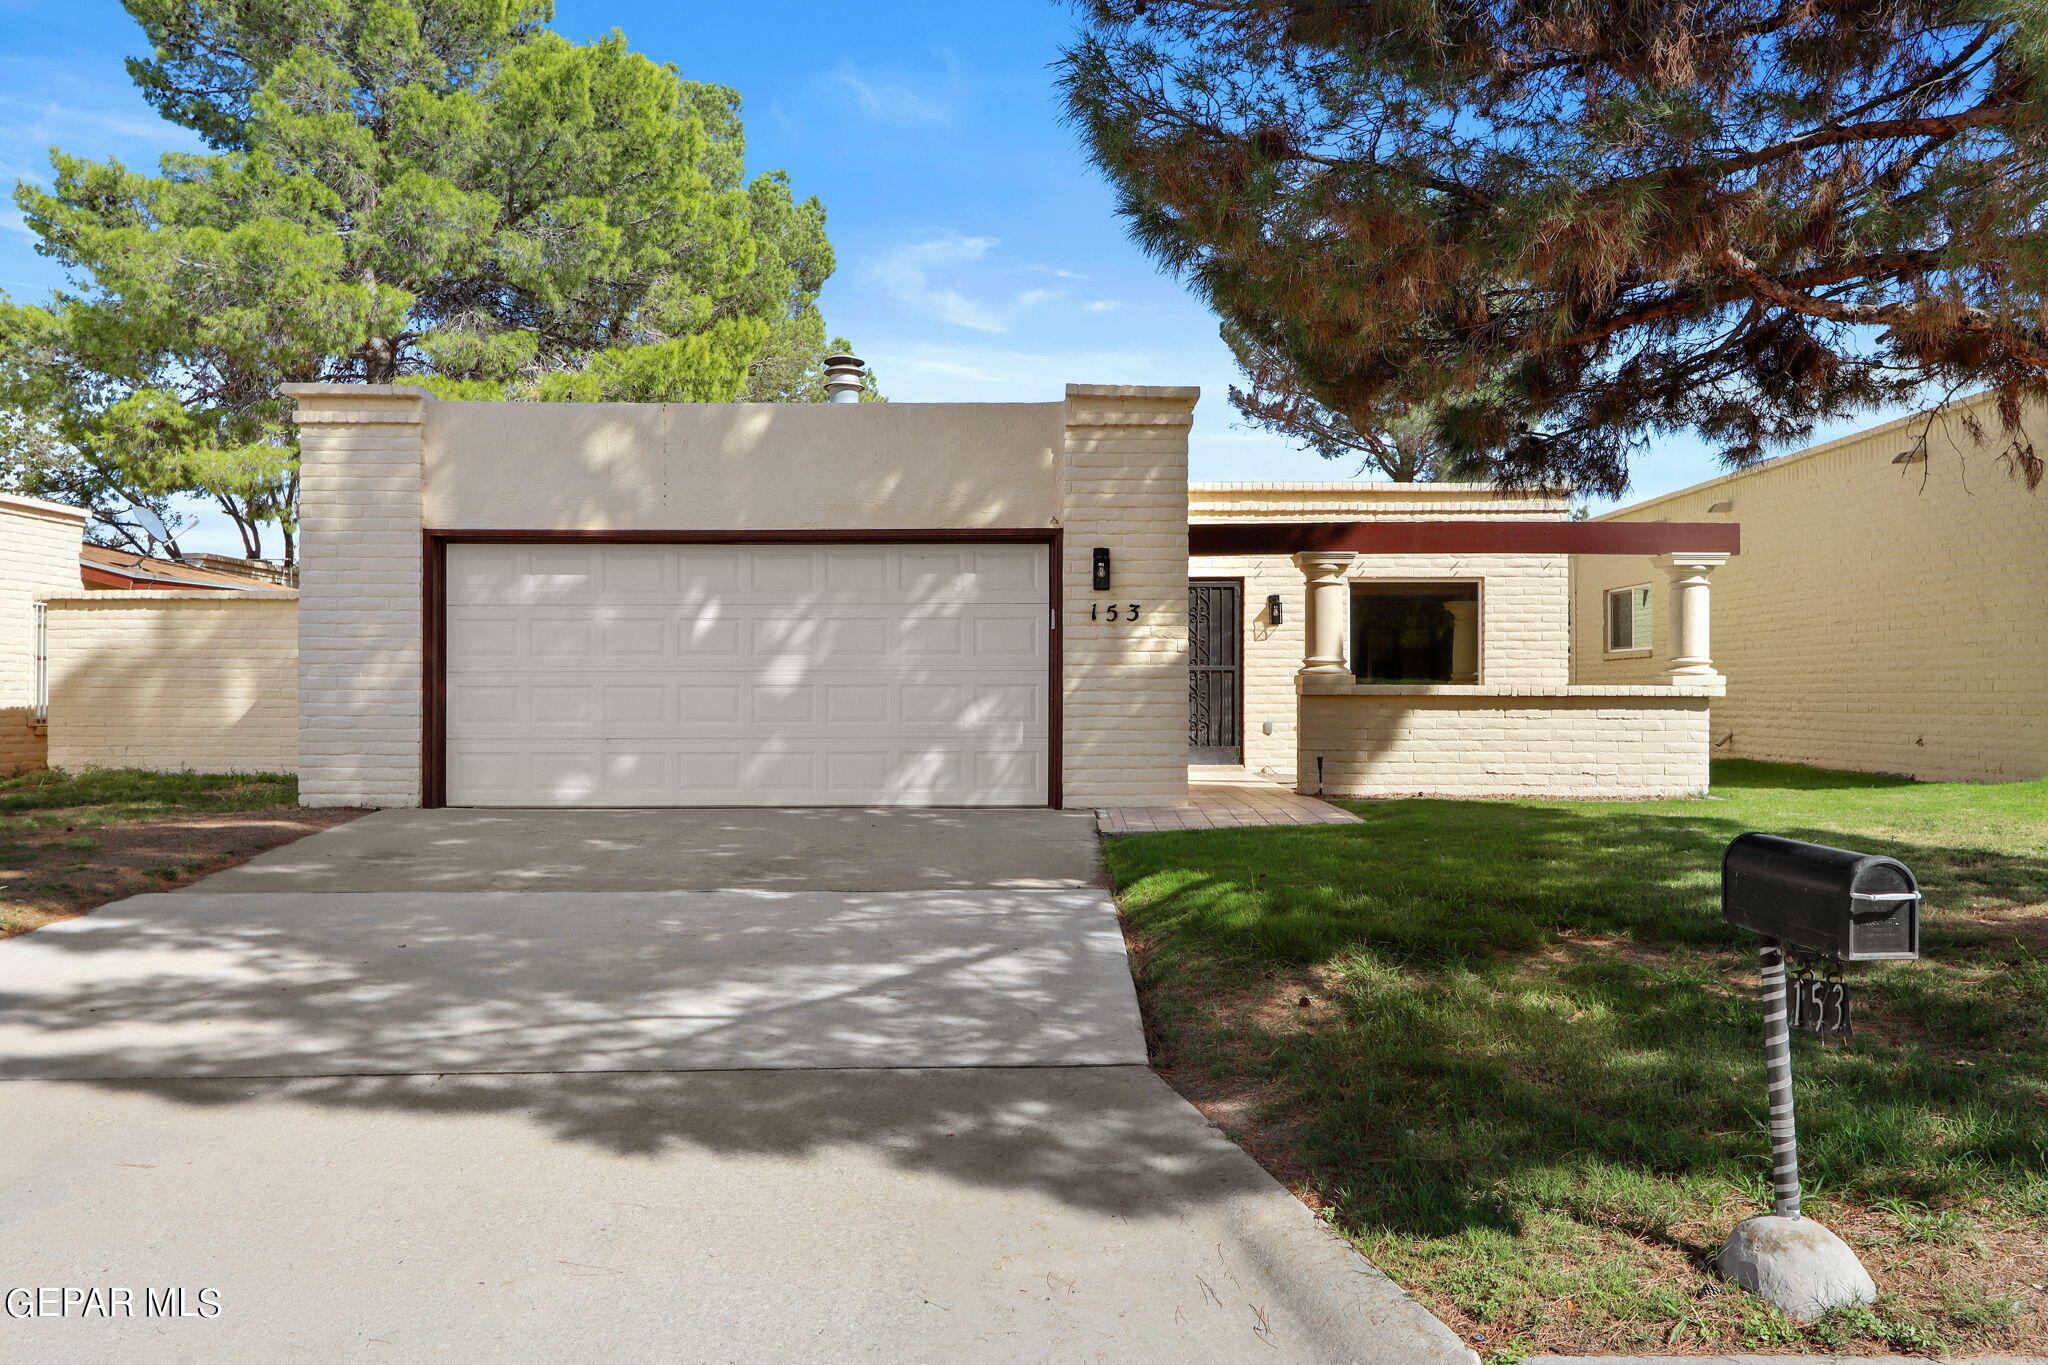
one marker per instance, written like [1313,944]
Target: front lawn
[1509,1048]
[70,842]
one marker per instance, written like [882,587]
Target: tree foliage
[441,192]
[1562,227]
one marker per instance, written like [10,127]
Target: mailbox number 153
[1115,611]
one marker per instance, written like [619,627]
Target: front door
[1215,664]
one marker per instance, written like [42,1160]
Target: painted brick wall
[1272,654]
[1881,617]
[359,584]
[1505,746]
[172,681]
[1525,625]
[1125,686]
[38,559]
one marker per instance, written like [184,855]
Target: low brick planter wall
[1504,741]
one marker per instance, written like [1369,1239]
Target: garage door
[759,675]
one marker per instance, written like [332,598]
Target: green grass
[1517,1053]
[50,799]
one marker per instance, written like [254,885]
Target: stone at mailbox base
[1795,1265]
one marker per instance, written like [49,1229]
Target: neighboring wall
[1525,605]
[38,559]
[1881,617]
[170,681]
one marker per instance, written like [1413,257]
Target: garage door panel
[718,675]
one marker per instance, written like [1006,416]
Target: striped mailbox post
[1818,908]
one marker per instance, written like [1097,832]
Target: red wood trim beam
[106,578]
[94,576]
[1465,537]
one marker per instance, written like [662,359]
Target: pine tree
[436,192]
[1560,228]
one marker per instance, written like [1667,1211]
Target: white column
[1464,641]
[1328,602]
[1691,655]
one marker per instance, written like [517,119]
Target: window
[1628,620]
[1414,632]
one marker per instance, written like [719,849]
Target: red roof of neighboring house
[101,567]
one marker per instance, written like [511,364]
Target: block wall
[1881,617]
[360,612]
[1125,683]
[174,681]
[1465,746]
[38,559]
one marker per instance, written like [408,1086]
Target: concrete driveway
[705,1096]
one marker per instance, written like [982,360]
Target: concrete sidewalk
[778,1121]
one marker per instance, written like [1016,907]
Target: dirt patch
[54,872]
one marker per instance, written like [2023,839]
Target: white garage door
[746,675]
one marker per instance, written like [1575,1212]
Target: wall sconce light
[1722,507]
[1102,568]
[1273,609]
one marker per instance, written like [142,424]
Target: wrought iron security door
[1215,666]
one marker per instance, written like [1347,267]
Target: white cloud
[904,99]
[926,275]
[1102,305]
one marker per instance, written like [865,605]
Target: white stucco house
[937,604]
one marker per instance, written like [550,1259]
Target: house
[103,567]
[1889,612]
[38,559]
[96,639]
[1446,662]
[939,604]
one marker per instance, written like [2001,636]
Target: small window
[1628,620]
[1408,632]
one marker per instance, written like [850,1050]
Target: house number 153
[1115,611]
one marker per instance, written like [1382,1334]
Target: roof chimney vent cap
[845,376]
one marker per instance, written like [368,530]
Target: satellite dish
[151,522]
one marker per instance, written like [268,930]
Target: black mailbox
[1857,907]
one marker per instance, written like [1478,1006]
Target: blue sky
[979,255]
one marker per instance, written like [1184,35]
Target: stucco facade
[1105,467]
[173,681]
[1884,616]
[39,543]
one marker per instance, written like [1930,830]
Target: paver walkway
[757,1117]
[1226,798]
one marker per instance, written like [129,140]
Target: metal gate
[1215,666]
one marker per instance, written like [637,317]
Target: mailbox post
[1826,907]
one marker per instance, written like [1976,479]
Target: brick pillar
[360,616]
[1125,682]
